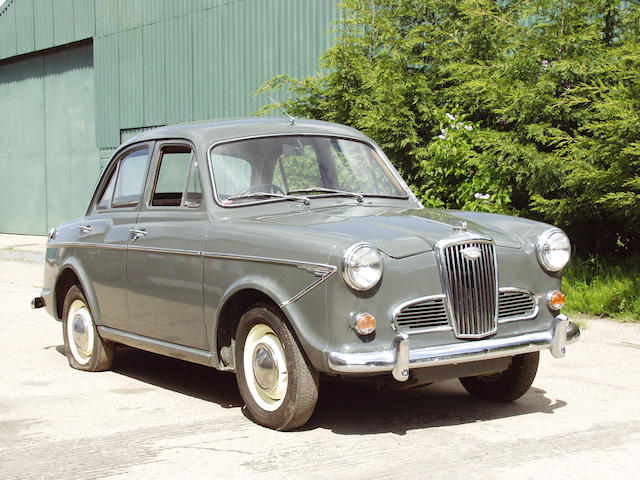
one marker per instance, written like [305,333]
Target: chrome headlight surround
[361,266]
[553,249]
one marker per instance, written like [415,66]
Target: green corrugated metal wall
[48,155]
[181,61]
[155,62]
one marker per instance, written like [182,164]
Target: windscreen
[265,168]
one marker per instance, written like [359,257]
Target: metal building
[77,77]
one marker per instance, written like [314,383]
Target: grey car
[289,250]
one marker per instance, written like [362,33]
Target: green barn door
[49,162]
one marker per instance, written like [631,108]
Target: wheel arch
[71,273]
[233,307]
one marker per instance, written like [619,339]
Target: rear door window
[131,175]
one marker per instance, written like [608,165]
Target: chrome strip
[308,266]
[536,308]
[321,270]
[307,290]
[171,251]
[101,246]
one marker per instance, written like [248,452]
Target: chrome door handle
[85,228]
[136,234]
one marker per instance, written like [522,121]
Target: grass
[604,287]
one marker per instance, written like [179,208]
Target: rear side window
[131,175]
[107,195]
[126,181]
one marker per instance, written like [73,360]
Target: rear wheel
[508,385]
[278,385]
[83,346]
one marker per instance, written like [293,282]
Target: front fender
[281,289]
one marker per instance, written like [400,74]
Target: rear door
[164,261]
[103,234]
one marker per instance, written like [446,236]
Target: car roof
[205,133]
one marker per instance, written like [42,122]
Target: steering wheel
[260,187]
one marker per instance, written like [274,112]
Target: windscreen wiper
[294,198]
[359,197]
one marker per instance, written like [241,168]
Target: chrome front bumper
[400,358]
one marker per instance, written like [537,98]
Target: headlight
[361,266]
[553,249]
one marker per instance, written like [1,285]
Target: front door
[164,259]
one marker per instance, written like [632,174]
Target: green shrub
[604,287]
[551,90]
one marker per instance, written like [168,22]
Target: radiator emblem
[461,227]
[471,253]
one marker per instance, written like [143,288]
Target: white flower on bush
[455,124]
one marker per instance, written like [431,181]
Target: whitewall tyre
[276,382]
[83,346]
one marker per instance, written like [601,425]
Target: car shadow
[190,379]
[179,376]
[356,409]
[345,408]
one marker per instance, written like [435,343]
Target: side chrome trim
[154,345]
[398,355]
[318,269]
[308,266]
[307,289]
[170,251]
[101,246]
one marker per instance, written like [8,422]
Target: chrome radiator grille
[470,285]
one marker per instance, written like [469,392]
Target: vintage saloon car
[285,250]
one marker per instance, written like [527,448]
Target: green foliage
[603,287]
[551,90]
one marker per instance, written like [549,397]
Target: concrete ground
[154,417]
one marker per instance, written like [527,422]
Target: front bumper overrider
[399,359]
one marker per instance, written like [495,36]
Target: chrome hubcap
[80,332]
[265,368]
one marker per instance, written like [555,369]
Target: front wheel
[83,346]
[508,385]
[278,386]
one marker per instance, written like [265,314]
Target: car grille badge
[471,253]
